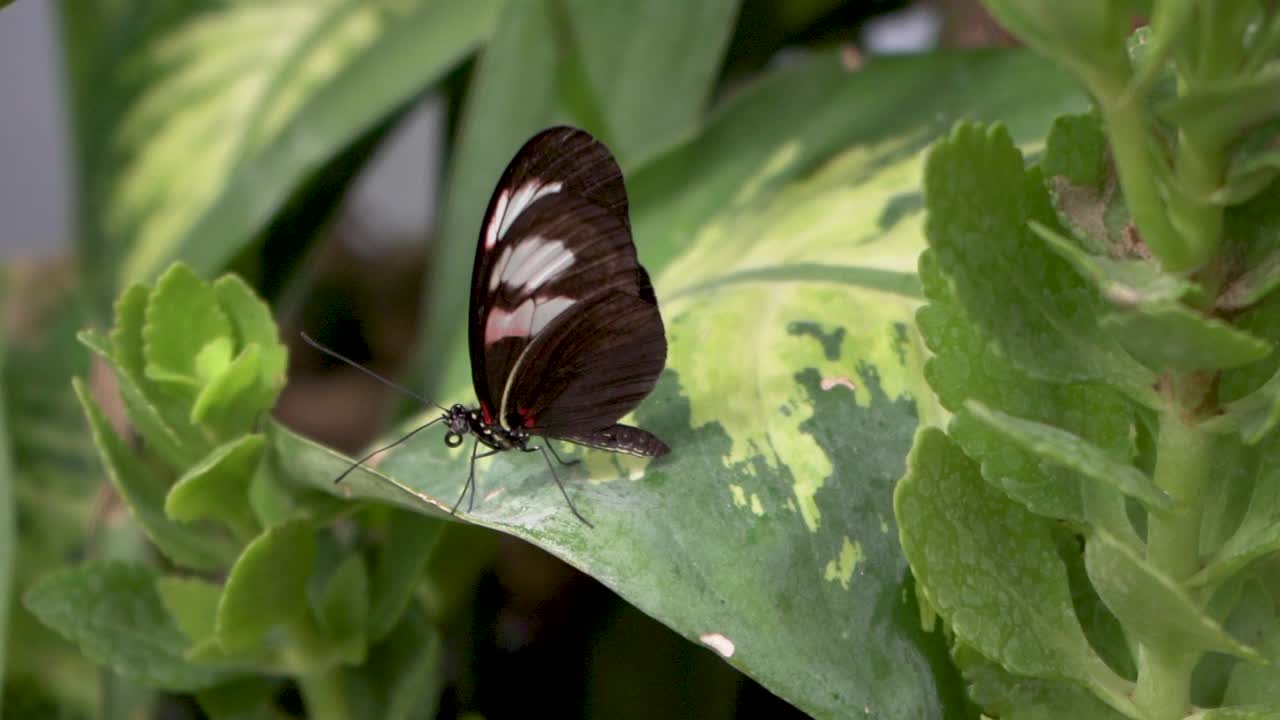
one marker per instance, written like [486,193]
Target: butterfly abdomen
[622,438]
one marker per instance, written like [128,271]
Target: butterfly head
[459,424]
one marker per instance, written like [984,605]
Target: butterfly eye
[452,439]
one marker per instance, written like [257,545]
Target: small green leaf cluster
[1099,525]
[252,584]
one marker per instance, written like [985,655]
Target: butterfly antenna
[394,386]
[384,448]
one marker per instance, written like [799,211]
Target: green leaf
[1218,113]
[113,612]
[1126,283]
[1044,317]
[1011,697]
[1245,712]
[1152,607]
[1258,533]
[511,96]
[254,326]
[226,403]
[192,603]
[266,587]
[992,571]
[798,197]
[344,609]
[185,331]
[965,366]
[1254,164]
[1171,335]
[1086,37]
[1253,683]
[1253,285]
[160,413]
[196,547]
[650,99]
[405,674]
[218,486]
[401,556]
[286,86]
[1076,150]
[1072,451]
[250,698]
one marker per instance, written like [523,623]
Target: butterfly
[564,329]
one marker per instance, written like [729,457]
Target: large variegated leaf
[215,117]
[783,243]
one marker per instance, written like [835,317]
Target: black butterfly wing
[587,370]
[556,231]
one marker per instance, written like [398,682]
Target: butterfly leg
[559,484]
[471,479]
[556,455]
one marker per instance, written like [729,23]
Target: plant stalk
[1183,464]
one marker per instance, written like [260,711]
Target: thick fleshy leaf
[218,486]
[199,547]
[1069,450]
[1010,697]
[1152,607]
[186,337]
[231,105]
[113,612]
[265,585]
[992,570]
[1258,533]
[782,242]
[192,603]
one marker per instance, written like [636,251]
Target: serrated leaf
[227,402]
[1011,697]
[192,603]
[266,587]
[1072,451]
[1171,335]
[1151,606]
[144,417]
[140,392]
[991,570]
[183,320]
[966,366]
[218,486]
[1044,316]
[1076,149]
[344,609]
[113,612]
[254,324]
[195,547]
